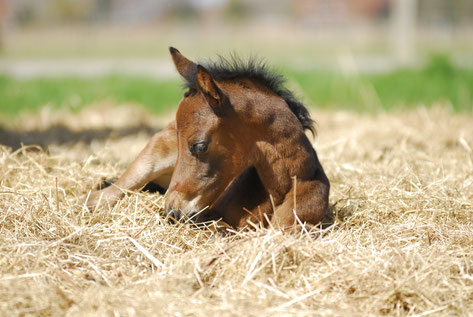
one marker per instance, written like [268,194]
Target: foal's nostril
[174,215]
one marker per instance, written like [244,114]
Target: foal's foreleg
[155,163]
[308,200]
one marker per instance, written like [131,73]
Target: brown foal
[237,151]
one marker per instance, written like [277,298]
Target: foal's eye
[199,148]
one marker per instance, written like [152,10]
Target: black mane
[257,70]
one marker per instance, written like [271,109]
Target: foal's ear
[209,88]
[184,67]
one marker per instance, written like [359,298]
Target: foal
[237,151]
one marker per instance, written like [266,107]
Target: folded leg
[308,200]
[155,163]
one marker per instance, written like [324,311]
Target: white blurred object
[404,29]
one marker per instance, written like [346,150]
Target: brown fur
[256,162]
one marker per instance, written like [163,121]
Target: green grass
[19,95]
[439,81]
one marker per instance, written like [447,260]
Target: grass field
[438,81]
[399,241]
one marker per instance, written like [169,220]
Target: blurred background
[361,55]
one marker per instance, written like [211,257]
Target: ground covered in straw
[400,240]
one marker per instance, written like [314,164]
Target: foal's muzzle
[180,209]
[176,215]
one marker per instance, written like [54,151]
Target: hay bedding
[401,242]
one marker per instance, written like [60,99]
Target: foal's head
[218,122]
